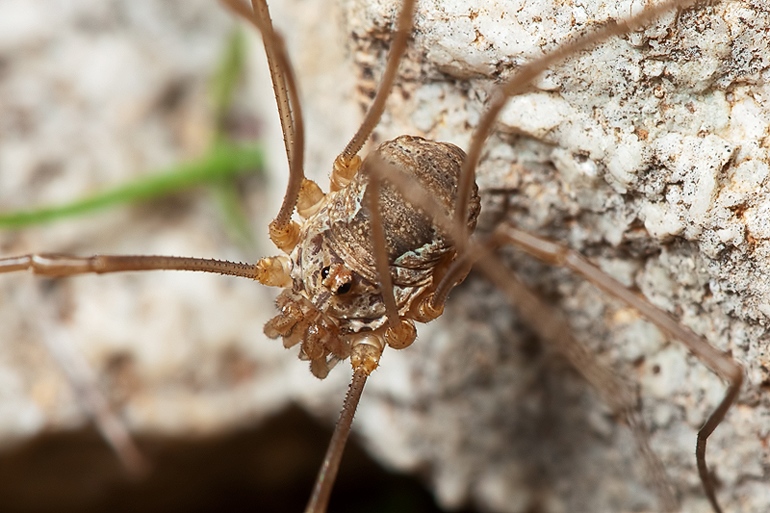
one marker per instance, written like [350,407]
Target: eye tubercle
[337,278]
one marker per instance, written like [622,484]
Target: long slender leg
[84,384]
[58,265]
[348,162]
[724,366]
[372,197]
[619,394]
[327,474]
[525,75]
[269,271]
[397,49]
[555,254]
[283,231]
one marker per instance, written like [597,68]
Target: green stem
[223,161]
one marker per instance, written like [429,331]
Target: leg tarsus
[616,392]
[718,362]
[711,423]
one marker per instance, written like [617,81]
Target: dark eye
[325,272]
[344,289]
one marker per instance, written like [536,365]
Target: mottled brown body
[336,295]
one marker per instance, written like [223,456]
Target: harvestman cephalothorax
[501,277]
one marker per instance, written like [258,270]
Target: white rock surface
[648,154]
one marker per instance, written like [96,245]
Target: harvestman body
[351,294]
[335,303]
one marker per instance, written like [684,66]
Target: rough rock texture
[648,154]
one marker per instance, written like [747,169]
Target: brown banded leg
[619,394]
[348,162]
[718,362]
[526,74]
[322,489]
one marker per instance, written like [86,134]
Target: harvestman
[392,294]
